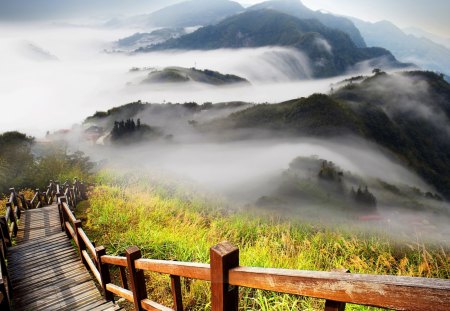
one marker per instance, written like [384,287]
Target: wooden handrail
[199,271]
[69,213]
[114,260]
[90,247]
[393,292]
[150,305]
[121,292]
[71,231]
[91,265]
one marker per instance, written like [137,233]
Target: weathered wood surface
[45,269]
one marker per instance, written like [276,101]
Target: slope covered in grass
[172,222]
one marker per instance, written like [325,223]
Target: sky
[430,15]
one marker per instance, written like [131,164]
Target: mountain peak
[297,9]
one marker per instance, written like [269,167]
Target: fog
[54,76]
[234,167]
[244,171]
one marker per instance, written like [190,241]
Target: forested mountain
[407,113]
[330,51]
[297,9]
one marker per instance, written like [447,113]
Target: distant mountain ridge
[331,51]
[297,9]
[407,48]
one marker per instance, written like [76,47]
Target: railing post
[175,284]
[5,289]
[15,203]
[223,257]
[23,201]
[80,242]
[5,230]
[38,198]
[14,195]
[12,217]
[104,272]
[123,277]
[62,215]
[331,305]
[137,279]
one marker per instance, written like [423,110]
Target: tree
[376,71]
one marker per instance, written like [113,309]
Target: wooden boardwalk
[45,270]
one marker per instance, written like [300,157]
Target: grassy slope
[173,223]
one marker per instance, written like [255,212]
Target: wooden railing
[9,223]
[226,275]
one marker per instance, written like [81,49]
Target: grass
[171,222]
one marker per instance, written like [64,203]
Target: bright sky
[430,15]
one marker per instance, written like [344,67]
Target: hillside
[398,112]
[297,9]
[330,51]
[405,47]
[138,39]
[181,75]
[193,13]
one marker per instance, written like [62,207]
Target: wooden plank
[63,296]
[36,293]
[71,231]
[46,261]
[185,269]
[121,292]
[150,305]
[115,260]
[93,267]
[393,292]
[42,276]
[97,305]
[88,243]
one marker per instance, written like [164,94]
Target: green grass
[171,222]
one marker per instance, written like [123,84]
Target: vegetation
[25,163]
[129,131]
[172,222]
[297,9]
[180,74]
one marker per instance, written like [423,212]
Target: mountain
[193,13]
[407,114]
[420,33]
[407,48]
[138,39]
[330,51]
[297,9]
[182,75]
